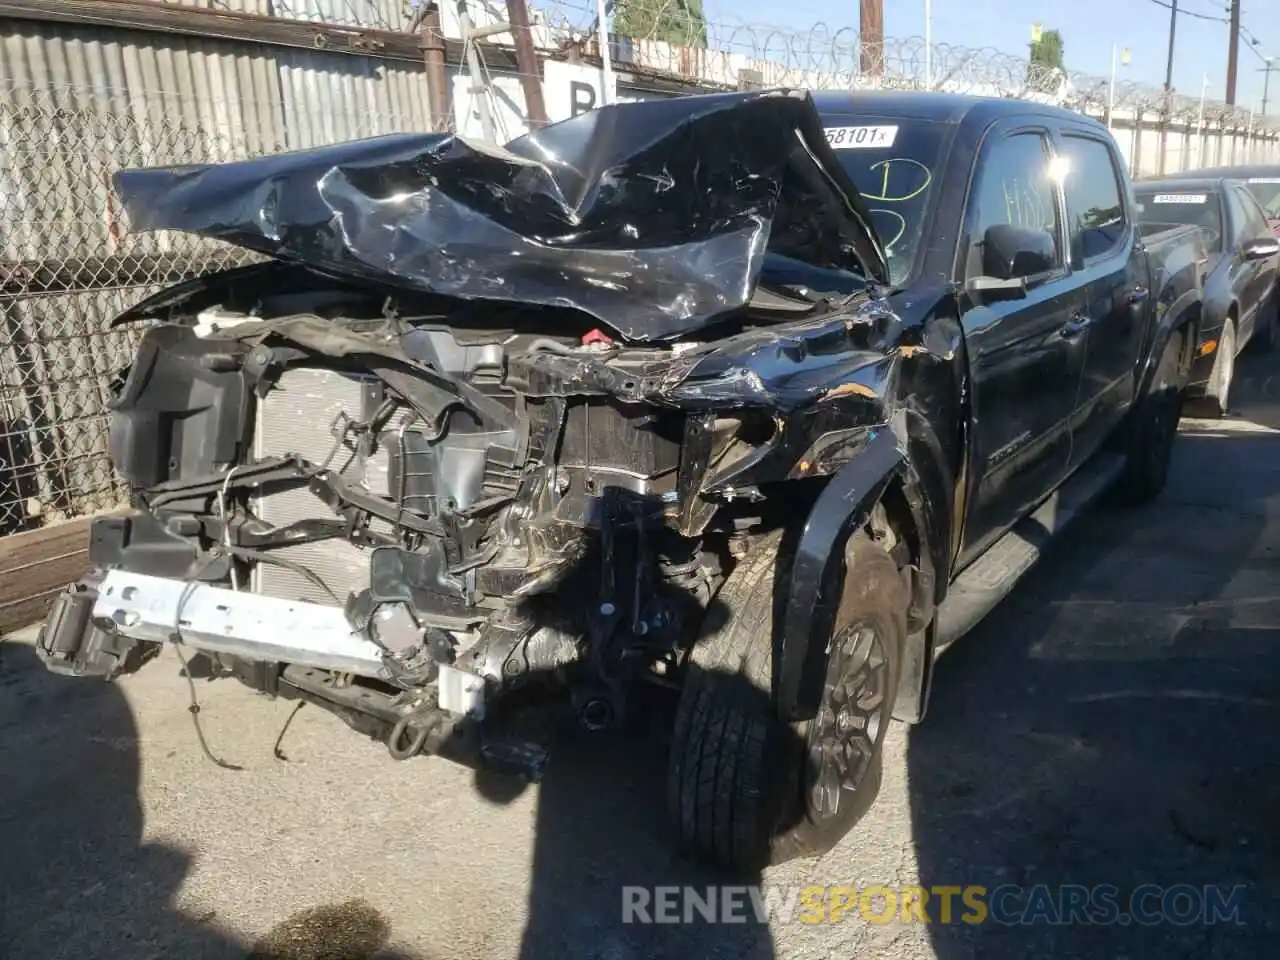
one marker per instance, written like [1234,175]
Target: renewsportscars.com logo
[1010,905]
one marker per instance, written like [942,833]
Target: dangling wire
[275,749]
[194,708]
[226,526]
[189,587]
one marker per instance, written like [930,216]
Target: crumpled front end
[451,513]
[408,501]
[653,218]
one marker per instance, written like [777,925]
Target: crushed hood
[653,217]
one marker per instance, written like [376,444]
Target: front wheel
[745,789]
[1152,430]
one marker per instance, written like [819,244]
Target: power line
[1238,31]
[1254,43]
[1190,13]
[1245,32]
[1172,7]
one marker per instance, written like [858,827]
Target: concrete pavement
[1114,722]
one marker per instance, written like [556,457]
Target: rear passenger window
[1093,197]
[1172,207]
[1014,229]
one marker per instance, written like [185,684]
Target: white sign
[1180,198]
[570,89]
[861,138]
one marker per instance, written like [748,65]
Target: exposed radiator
[295,418]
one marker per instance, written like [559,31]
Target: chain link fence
[66,268]
[68,264]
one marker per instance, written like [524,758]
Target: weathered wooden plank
[35,565]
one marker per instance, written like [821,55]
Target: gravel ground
[1112,723]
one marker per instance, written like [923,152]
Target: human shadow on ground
[1112,724]
[80,881]
[602,826]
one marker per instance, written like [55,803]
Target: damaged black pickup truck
[764,398]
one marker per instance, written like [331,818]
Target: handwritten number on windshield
[900,226]
[906,178]
[901,179]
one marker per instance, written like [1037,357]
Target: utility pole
[1266,82]
[1173,29]
[527,63]
[431,41]
[607,90]
[871,35]
[1233,52]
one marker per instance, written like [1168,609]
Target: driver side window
[1014,227]
[1241,228]
[1257,220]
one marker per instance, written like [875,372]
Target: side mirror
[1260,248]
[1009,252]
[1009,255]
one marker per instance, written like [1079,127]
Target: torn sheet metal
[783,367]
[654,217]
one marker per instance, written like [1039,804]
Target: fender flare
[1174,321]
[800,652]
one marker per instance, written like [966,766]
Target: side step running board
[989,579]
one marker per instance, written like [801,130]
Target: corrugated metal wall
[78,103]
[382,14]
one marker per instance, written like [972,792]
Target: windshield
[1164,210]
[893,162]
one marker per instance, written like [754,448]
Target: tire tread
[723,781]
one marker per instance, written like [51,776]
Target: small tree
[679,22]
[1045,70]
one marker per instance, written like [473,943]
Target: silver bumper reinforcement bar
[234,622]
[253,627]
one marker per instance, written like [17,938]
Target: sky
[1088,28]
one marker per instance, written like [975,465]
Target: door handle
[1138,294]
[1074,327]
